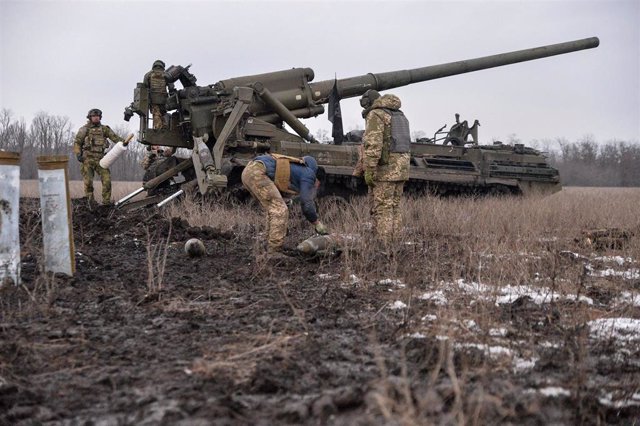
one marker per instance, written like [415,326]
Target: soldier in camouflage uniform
[155,153]
[89,147]
[269,176]
[386,160]
[155,80]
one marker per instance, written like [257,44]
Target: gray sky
[65,57]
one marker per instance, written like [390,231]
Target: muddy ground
[231,339]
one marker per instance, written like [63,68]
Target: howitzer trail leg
[181,167]
[128,197]
[171,197]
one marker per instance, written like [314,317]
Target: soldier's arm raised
[373,139]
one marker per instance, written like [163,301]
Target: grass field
[482,311]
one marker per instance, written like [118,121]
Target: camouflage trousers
[157,112]
[89,168]
[385,211]
[255,179]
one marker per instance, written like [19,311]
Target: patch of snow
[470,324]
[389,281]
[326,277]
[472,287]
[523,364]
[549,344]
[538,295]
[436,297]
[614,259]
[441,338]
[418,335]
[429,317]
[623,329]
[629,274]
[353,279]
[398,305]
[607,399]
[628,298]
[498,332]
[554,391]
[491,350]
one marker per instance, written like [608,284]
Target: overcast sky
[65,57]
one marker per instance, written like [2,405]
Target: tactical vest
[158,87]
[397,139]
[283,171]
[94,141]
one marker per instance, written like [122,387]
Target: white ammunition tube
[113,154]
[9,218]
[55,205]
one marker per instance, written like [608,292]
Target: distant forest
[581,163]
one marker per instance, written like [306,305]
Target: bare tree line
[53,135]
[588,163]
[581,163]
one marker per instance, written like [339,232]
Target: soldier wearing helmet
[89,146]
[386,159]
[156,81]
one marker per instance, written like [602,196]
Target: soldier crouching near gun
[386,161]
[89,147]
[269,175]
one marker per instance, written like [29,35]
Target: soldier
[270,175]
[155,80]
[155,153]
[387,146]
[89,147]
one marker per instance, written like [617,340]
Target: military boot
[91,201]
[276,255]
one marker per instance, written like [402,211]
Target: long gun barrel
[356,86]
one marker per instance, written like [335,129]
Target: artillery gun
[227,123]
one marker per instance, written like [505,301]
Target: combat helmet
[158,63]
[94,111]
[369,96]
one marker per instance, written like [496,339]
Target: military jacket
[386,166]
[156,82]
[91,140]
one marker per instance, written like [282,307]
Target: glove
[368,178]
[321,229]
[79,157]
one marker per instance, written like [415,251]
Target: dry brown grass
[468,252]
[489,244]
